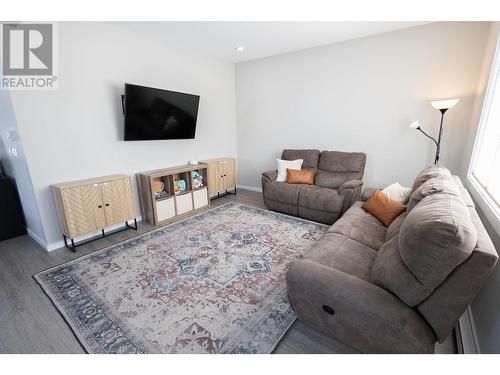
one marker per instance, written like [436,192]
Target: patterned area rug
[212,283]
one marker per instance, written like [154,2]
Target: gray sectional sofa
[338,184]
[402,288]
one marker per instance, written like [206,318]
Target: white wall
[361,95]
[77,131]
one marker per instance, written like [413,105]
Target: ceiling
[260,39]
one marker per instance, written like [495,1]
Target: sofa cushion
[303,176]
[435,237]
[360,226]
[344,254]
[390,272]
[282,192]
[449,301]
[286,208]
[397,192]
[439,184]
[320,199]
[310,157]
[284,165]
[319,216]
[428,173]
[393,229]
[336,167]
[383,208]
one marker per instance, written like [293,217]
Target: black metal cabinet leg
[130,226]
[224,193]
[73,247]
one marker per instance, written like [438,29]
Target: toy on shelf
[158,188]
[179,186]
[197,179]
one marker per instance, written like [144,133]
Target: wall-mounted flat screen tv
[152,114]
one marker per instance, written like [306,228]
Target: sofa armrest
[352,184]
[351,190]
[356,312]
[269,176]
[367,193]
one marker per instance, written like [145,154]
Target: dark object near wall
[12,222]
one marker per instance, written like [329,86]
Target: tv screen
[152,114]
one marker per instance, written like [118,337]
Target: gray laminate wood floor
[29,323]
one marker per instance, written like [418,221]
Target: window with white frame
[485,165]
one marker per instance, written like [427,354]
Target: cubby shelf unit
[161,203]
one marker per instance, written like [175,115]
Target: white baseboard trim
[251,188]
[58,244]
[37,238]
[468,333]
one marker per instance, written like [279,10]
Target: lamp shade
[444,104]
[415,125]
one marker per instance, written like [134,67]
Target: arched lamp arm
[428,136]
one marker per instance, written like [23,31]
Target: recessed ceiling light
[240,48]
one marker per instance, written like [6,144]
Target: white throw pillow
[283,165]
[396,192]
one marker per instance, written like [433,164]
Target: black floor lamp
[442,106]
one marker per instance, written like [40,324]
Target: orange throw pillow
[303,176]
[383,208]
